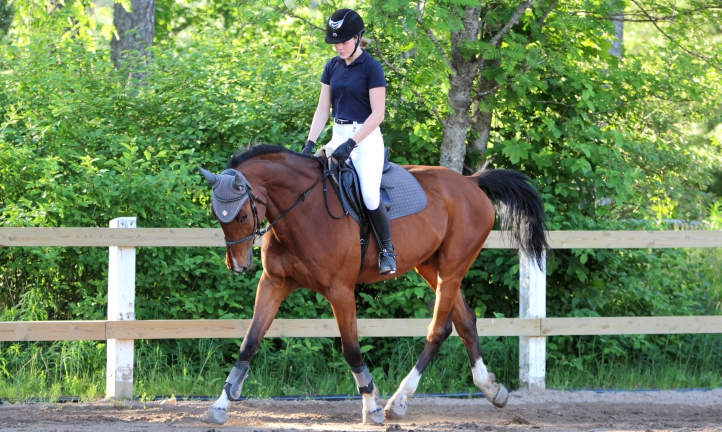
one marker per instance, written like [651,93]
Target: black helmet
[343,25]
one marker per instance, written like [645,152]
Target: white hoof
[395,412]
[375,417]
[215,416]
[494,392]
[502,396]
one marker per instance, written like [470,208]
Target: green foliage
[612,144]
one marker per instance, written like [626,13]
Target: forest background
[612,107]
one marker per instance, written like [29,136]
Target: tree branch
[436,42]
[541,22]
[512,22]
[706,59]
[648,17]
[403,82]
[288,12]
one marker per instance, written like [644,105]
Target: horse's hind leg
[268,299]
[464,319]
[465,323]
[439,330]
[343,304]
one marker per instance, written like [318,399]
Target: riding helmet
[343,25]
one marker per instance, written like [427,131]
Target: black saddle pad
[405,193]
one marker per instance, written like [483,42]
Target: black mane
[242,155]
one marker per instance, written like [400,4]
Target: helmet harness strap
[358,42]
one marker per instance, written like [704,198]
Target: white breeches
[367,157]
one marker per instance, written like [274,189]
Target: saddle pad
[407,196]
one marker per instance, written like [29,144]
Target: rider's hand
[308,148]
[343,151]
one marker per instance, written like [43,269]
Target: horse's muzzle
[239,270]
[233,264]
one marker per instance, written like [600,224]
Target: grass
[284,372]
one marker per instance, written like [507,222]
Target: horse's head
[240,216]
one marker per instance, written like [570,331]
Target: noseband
[258,232]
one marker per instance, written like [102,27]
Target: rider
[353,84]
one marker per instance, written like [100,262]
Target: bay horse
[306,247]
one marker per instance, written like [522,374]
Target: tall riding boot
[381,225]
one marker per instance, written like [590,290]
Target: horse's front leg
[344,310]
[269,296]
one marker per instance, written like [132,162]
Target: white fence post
[121,307]
[532,304]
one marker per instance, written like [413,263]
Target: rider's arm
[320,117]
[377,97]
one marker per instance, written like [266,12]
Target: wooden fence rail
[210,237]
[532,326]
[412,327]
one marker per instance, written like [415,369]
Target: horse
[307,244]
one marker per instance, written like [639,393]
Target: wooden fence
[532,326]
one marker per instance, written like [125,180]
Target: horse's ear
[210,177]
[239,182]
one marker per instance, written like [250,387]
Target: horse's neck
[284,181]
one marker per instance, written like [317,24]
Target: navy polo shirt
[350,85]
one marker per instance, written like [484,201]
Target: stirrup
[390,267]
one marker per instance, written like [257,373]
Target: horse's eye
[244,218]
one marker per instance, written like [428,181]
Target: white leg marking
[221,402]
[481,375]
[372,412]
[494,392]
[370,400]
[396,406]
[407,388]
[217,413]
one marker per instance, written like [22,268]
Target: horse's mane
[242,155]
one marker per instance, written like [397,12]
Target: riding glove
[343,151]
[308,148]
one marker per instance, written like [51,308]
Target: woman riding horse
[353,85]
[307,247]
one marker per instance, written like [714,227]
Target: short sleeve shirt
[350,85]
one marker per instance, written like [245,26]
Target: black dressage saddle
[400,192]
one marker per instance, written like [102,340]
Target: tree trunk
[480,119]
[618,41]
[134,32]
[6,16]
[456,124]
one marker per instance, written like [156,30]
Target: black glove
[308,148]
[343,151]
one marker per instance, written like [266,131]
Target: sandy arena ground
[548,411]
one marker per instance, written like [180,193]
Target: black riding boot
[380,223]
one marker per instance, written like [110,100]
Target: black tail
[520,209]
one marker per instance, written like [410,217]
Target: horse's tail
[520,209]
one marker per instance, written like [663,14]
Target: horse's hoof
[502,396]
[395,412]
[215,416]
[375,417]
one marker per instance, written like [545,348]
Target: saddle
[400,192]
[348,183]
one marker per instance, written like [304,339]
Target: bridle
[258,232]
